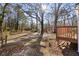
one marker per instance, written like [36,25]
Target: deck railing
[68,33]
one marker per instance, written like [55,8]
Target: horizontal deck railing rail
[68,33]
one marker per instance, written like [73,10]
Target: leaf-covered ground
[26,46]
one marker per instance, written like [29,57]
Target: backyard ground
[25,45]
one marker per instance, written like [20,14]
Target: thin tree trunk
[55,24]
[48,26]
[17,21]
[36,24]
[31,24]
[16,25]
[42,26]
[64,20]
[55,21]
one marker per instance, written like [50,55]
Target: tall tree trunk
[17,24]
[48,26]
[36,24]
[41,33]
[42,25]
[55,21]
[17,21]
[2,22]
[55,24]
[56,15]
[2,16]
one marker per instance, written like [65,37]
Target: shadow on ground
[71,50]
[11,48]
[32,50]
[18,48]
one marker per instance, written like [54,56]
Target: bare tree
[60,10]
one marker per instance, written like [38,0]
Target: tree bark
[55,24]
[31,24]
[36,24]
[42,31]
[2,22]
[17,22]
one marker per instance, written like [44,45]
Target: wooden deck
[68,33]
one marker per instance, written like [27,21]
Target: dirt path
[22,46]
[10,37]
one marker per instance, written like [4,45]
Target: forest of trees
[36,17]
[36,22]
